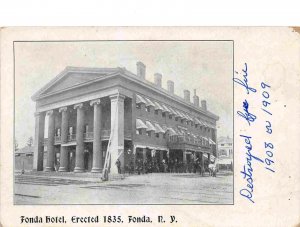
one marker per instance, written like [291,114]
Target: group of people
[174,165]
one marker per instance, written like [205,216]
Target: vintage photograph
[123,122]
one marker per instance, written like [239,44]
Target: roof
[73,77]
[25,150]
[224,139]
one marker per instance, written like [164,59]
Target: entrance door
[71,160]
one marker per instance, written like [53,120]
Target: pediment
[72,77]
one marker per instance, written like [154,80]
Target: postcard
[150,126]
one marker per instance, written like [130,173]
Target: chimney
[186,95]
[170,84]
[203,104]
[141,70]
[196,99]
[157,79]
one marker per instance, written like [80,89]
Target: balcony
[72,138]
[88,136]
[105,134]
[57,139]
[184,139]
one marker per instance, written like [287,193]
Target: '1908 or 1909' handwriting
[250,118]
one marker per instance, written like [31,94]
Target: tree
[30,141]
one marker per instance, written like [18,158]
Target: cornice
[123,73]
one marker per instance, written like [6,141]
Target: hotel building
[88,108]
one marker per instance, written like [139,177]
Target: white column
[38,141]
[117,127]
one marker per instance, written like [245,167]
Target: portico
[91,126]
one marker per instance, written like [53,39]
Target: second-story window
[181,120]
[164,135]
[149,133]
[71,130]
[156,112]
[157,135]
[138,106]
[147,109]
[176,118]
[170,116]
[58,132]
[163,114]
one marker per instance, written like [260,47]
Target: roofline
[124,73]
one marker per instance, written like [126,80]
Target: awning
[224,161]
[158,128]
[140,99]
[172,132]
[211,141]
[173,112]
[179,114]
[150,126]
[179,132]
[157,106]
[184,116]
[165,109]
[190,118]
[199,122]
[149,102]
[140,124]
[151,147]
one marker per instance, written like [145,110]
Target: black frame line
[127,40]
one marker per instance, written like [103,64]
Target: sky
[202,65]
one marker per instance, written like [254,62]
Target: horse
[212,170]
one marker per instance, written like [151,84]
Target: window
[58,132]
[222,144]
[208,130]
[230,144]
[149,133]
[156,112]
[223,153]
[192,124]
[157,135]
[138,106]
[164,135]
[181,120]
[170,116]
[147,109]
[86,128]
[176,118]
[164,114]
[139,131]
[71,130]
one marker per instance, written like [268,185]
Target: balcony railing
[88,135]
[57,139]
[71,137]
[187,139]
[105,134]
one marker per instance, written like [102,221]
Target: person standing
[118,163]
